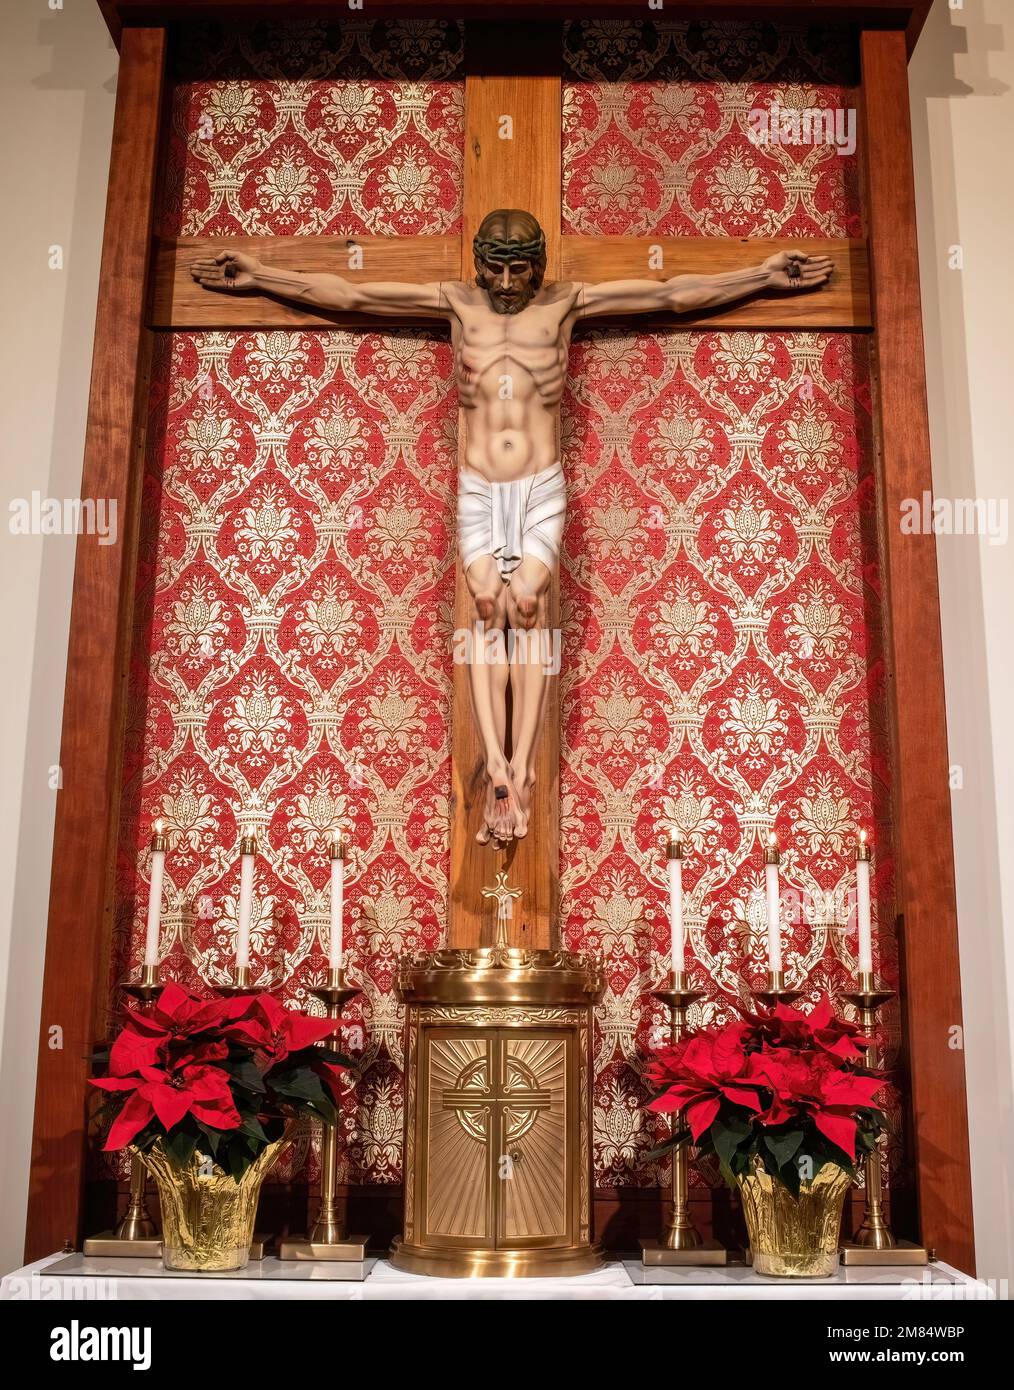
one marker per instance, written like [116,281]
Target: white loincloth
[511,520]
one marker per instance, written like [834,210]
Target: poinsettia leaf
[212,1137]
[783,1145]
[246,1073]
[789,1176]
[252,1128]
[274,1125]
[728,1132]
[238,1160]
[742,1161]
[301,1085]
[180,1146]
[660,1150]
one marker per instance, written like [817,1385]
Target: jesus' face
[508,284]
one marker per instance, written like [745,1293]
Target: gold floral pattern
[658,139]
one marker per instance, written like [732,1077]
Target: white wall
[57,88]
[56,106]
[962,89]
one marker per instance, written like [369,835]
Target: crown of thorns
[498,250]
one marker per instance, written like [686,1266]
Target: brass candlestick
[135,1237]
[681,1242]
[240,983]
[775,992]
[328,1238]
[874,1242]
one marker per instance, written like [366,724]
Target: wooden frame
[905,15]
[928,927]
[80,908]
[84,847]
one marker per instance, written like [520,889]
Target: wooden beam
[75,993]
[843,303]
[931,993]
[179,302]
[909,15]
[523,171]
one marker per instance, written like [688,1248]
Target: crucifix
[512,304]
[510,331]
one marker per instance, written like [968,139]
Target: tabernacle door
[457,1173]
[537,1145]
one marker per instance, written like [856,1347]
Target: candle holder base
[677,994]
[774,992]
[111,1245]
[902,1252]
[706,1253]
[352,1249]
[240,984]
[146,987]
[769,998]
[868,999]
[337,992]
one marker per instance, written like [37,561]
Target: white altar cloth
[80,1278]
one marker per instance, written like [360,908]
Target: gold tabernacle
[498,1113]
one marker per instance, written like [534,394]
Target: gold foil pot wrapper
[207,1216]
[795,1238]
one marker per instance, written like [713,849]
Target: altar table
[81,1278]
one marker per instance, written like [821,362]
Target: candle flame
[159,827]
[772,839]
[862,837]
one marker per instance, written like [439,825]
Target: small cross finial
[504,897]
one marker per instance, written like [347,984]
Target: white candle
[674,871]
[248,852]
[773,896]
[158,849]
[863,906]
[337,853]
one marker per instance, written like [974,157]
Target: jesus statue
[510,334]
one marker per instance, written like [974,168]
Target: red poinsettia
[821,1030]
[273,1031]
[701,1072]
[194,1088]
[222,1074]
[175,1016]
[777,1087]
[809,1086]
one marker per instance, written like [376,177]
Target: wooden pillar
[520,171]
[80,907]
[931,991]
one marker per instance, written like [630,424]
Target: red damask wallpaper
[658,137]
[721,608]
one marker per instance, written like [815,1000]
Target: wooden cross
[523,171]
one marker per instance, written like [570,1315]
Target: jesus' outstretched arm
[785,270]
[234,272]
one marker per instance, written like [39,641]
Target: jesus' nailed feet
[524,659]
